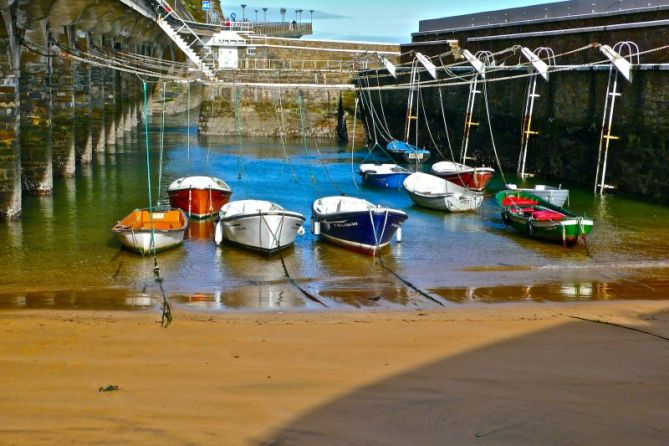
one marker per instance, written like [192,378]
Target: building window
[251,51]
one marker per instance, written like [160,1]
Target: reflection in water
[99,299]
[201,230]
[559,292]
[254,297]
[64,242]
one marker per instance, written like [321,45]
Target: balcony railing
[307,64]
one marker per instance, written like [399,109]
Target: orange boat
[166,227]
[199,196]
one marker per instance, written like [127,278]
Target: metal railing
[171,13]
[268,28]
[308,64]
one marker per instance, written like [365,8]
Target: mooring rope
[293,282]
[162,143]
[282,136]
[409,284]
[166,317]
[355,116]
[188,132]
[492,136]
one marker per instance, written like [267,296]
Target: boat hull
[402,152]
[567,231]
[268,231]
[140,241]
[448,202]
[199,203]
[476,180]
[557,197]
[363,231]
[385,180]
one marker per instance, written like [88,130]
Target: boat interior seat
[547,215]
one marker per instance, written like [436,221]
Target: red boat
[199,196]
[474,178]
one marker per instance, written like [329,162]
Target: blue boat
[389,176]
[355,223]
[403,152]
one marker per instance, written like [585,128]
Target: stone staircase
[206,60]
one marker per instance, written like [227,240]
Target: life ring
[506,218]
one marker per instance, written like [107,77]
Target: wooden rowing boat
[143,231]
[537,218]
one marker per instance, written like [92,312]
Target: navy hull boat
[355,223]
[390,176]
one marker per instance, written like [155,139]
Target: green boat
[537,218]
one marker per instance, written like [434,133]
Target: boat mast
[540,67]
[619,65]
[471,100]
[412,92]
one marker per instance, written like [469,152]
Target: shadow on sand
[575,384]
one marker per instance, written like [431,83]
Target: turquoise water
[62,253]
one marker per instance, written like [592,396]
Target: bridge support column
[83,136]
[35,140]
[110,104]
[10,150]
[97,93]
[62,111]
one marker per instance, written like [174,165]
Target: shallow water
[61,254]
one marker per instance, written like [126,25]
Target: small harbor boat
[537,218]
[436,193]
[475,178]
[199,196]
[403,152]
[390,176]
[553,195]
[166,227]
[355,223]
[258,225]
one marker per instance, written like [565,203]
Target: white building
[230,46]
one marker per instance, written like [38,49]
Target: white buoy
[218,234]
[300,231]
[398,235]
[316,227]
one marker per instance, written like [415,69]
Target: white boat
[554,195]
[435,193]
[257,224]
[165,227]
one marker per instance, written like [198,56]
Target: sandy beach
[496,374]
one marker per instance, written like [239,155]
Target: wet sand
[494,374]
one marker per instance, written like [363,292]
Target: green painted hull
[567,231]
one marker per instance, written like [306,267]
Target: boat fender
[316,227]
[398,235]
[530,229]
[218,233]
[300,230]
[506,218]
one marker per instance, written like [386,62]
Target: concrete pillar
[109,76]
[10,151]
[35,140]
[62,109]
[97,94]
[83,136]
